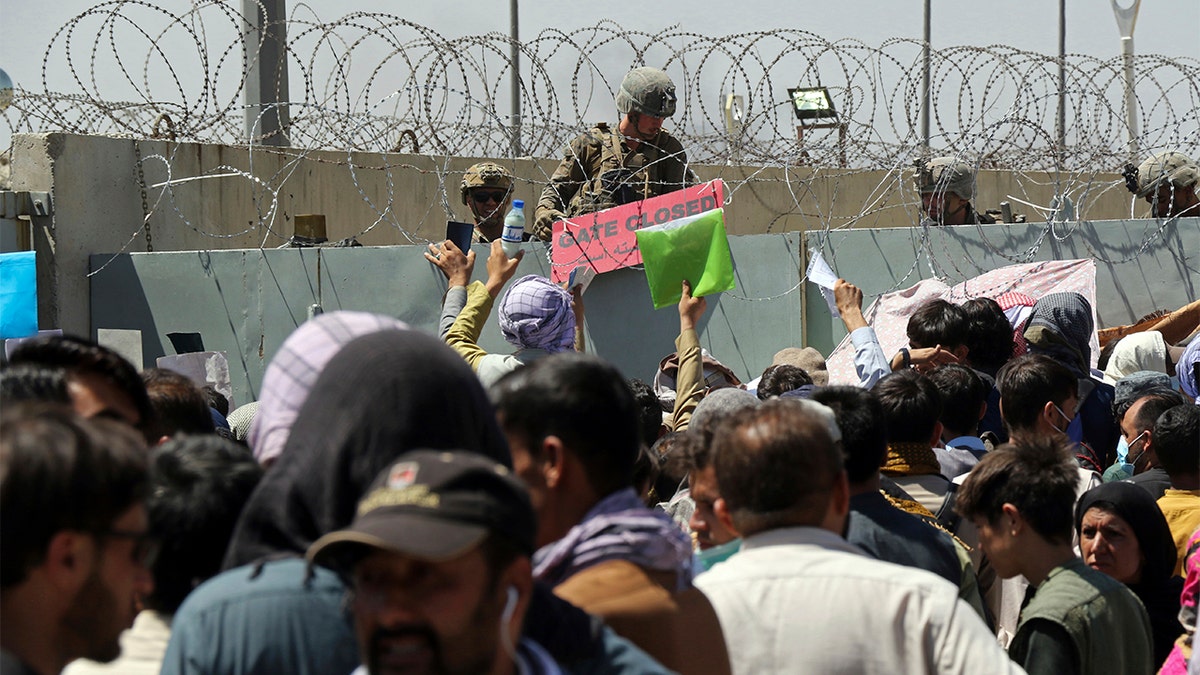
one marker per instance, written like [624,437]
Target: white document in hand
[822,275]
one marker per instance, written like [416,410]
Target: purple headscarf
[536,313]
[1186,371]
[295,368]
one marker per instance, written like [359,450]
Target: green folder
[693,248]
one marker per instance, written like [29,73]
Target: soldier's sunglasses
[485,196]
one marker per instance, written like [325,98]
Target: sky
[1168,27]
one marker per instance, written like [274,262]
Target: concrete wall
[246,302]
[1141,265]
[388,199]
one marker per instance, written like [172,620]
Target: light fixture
[812,103]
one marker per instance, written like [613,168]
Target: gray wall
[246,302]
[1141,265]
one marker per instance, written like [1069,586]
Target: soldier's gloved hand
[543,228]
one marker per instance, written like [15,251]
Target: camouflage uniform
[598,172]
[949,174]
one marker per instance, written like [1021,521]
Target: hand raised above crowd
[452,261]
[501,268]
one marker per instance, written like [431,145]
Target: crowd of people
[989,499]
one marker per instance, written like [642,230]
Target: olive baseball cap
[432,505]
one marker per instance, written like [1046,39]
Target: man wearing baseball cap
[438,560]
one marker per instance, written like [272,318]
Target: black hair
[1027,383]
[649,411]
[779,379]
[938,322]
[864,429]
[178,404]
[200,485]
[776,466]
[584,401]
[1038,478]
[1155,402]
[989,338]
[77,355]
[963,394]
[1177,440]
[215,399]
[911,404]
[59,472]
[33,382]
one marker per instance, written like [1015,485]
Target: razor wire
[366,85]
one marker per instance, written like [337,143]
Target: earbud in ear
[510,605]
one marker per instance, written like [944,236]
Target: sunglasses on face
[485,196]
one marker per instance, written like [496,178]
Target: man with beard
[74,532]
[603,168]
[438,560]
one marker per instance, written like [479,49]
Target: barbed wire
[378,83]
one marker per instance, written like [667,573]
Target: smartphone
[460,234]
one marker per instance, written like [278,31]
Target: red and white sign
[605,240]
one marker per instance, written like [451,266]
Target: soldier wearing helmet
[947,186]
[1167,181]
[487,190]
[604,168]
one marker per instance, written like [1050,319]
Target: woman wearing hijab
[1123,534]
[294,369]
[1061,327]
[379,396]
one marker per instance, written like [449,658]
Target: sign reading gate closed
[605,240]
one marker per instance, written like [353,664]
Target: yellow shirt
[1182,509]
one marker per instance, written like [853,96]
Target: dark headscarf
[1061,327]
[382,394]
[1158,589]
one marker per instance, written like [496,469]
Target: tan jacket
[680,631]
[577,185]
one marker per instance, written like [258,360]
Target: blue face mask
[1122,449]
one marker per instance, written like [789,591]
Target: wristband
[907,357]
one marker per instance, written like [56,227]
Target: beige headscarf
[1137,351]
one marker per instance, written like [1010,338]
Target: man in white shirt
[798,598]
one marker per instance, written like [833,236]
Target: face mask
[1122,449]
[706,559]
[1064,416]
[1135,440]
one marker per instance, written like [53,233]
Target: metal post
[515,58]
[1062,86]
[266,73]
[925,102]
[1126,20]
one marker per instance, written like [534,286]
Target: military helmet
[647,91]
[485,174]
[945,174]
[1174,167]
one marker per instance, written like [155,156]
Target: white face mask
[1135,459]
[1064,416]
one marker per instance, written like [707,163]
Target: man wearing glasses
[487,190]
[74,531]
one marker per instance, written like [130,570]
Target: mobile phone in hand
[460,234]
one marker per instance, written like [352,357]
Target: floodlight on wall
[812,103]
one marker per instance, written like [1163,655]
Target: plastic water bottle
[514,229]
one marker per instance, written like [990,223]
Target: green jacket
[578,184]
[1104,620]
